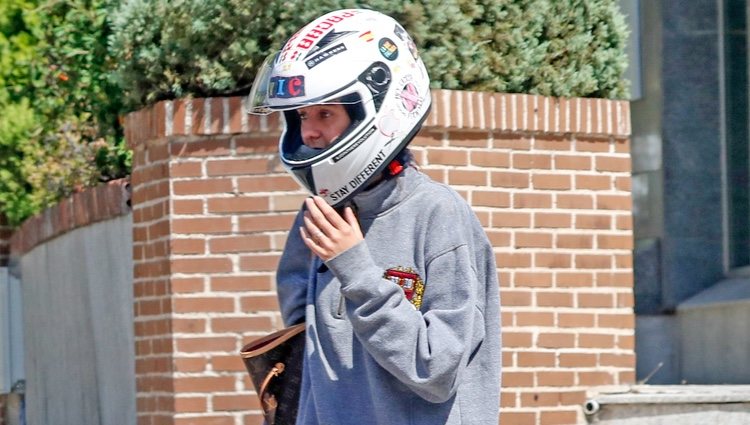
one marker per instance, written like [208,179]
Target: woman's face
[322,124]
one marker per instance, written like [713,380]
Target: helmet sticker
[388,49]
[404,36]
[301,42]
[409,95]
[358,179]
[389,124]
[367,36]
[328,39]
[312,62]
[354,145]
[286,87]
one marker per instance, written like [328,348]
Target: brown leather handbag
[274,363]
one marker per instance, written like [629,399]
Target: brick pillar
[549,179]
[152,286]
[210,213]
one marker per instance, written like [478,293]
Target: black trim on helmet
[377,79]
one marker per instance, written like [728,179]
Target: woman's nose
[310,133]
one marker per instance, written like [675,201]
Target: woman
[391,272]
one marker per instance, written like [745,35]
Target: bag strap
[269,400]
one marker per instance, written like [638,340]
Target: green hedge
[59,103]
[70,68]
[170,49]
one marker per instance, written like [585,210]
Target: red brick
[202,187]
[238,204]
[205,344]
[551,182]
[555,379]
[576,320]
[533,240]
[256,144]
[242,166]
[186,169]
[534,161]
[266,183]
[241,324]
[515,298]
[554,299]
[571,162]
[518,379]
[208,384]
[613,202]
[227,363]
[536,359]
[190,364]
[202,225]
[467,177]
[201,148]
[507,141]
[447,157]
[593,182]
[552,220]
[551,260]
[614,164]
[259,303]
[468,139]
[564,417]
[570,201]
[490,199]
[511,219]
[532,200]
[517,339]
[481,158]
[513,260]
[535,319]
[238,283]
[213,304]
[546,143]
[259,262]
[266,222]
[593,221]
[191,404]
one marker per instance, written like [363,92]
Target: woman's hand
[325,232]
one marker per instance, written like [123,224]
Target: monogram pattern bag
[274,363]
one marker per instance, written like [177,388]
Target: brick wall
[5,233]
[549,179]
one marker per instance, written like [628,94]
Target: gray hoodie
[403,328]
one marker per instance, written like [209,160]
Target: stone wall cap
[670,394]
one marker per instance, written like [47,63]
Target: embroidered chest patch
[409,281]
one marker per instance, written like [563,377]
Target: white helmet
[364,60]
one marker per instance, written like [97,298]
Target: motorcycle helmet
[364,60]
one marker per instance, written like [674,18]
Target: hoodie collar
[388,193]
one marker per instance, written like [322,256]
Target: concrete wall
[75,265]
[715,334]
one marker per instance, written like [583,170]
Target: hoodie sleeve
[426,349]
[292,276]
